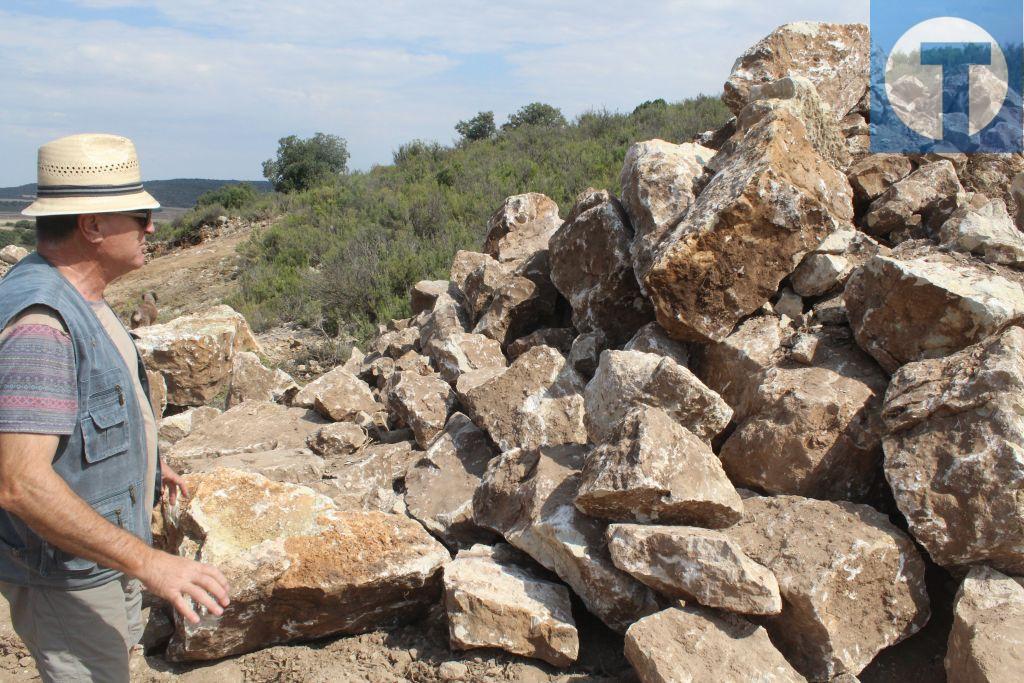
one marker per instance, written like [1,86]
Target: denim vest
[104,460]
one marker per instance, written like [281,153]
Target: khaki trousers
[79,636]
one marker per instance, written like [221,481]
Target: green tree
[536,114]
[302,164]
[480,127]
[231,196]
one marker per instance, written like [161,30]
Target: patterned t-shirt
[38,384]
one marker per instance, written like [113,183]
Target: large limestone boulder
[479,285]
[527,496]
[12,254]
[337,439]
[157,393]
[986,644]
[658,185]
[369,479]
[993,175]
[694,564]
[984,228]
[813,428]
[522,301]
[299,567]
[953,452]
[493,601]
[922,303]
[827,267]
[338,395]
[876,173]
[625,379]
[521,227]
[462,352]
[692,643]
[852,584]
[421,402]
[251,380]
[657,470]
[912,200]
[447,317]
[652,339]
[535,402]
[291,465]
[775,199]
[440,485]
[560,338]
[424,293]
[176,427]
[592,268]
[835,57]
[194,353]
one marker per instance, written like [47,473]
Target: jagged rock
[952,452]
[520,303]
[370,478]
[811,429]
[986,644]
[831,311]
[835,57]
[340,396]
[377,370]
[789,304]
[656,470]
[537,401]
[992,175]
[157,393]
[251,380]
[652,339]
[625,379]
[422,402]
[527,496]
[194,353]
[775,199]
[439,487]
[829,265]
[521,227]
[592,268]
[694,564]
[585,353]
[920,303]
[910,201]
[692,643]
[424,293]
[984,228]
[397,343]
[874,174]
[851,582]
[247,428]
[355,360]
[290,465]
[560,338]
[462,352]
[299,568]
[463,264]
[483,282]
[496,603]
[657,182]
[12,253]
[446,318]
[337,438]
[176,427]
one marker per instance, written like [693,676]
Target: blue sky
[207,89]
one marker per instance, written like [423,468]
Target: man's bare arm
[32,490]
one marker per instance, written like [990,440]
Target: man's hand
[173,483]
[173,578]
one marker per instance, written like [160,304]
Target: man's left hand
[173,483]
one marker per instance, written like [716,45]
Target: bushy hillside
[344,255]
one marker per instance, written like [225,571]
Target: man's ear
[89,228]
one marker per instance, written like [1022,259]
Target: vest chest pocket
[105,423]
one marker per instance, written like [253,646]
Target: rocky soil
[755,414]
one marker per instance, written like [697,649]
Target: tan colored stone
[491,603]
[527,496]
[337,439]
[625,379]
[299,568]
[12,253]
[992,175]
[521,302]
[694,564]
[953,452]
[852,584]
[396,343]
[692,643]
[775,199]
[559,338]
[828,266]
[176,427]
[656,470]
[912,200]
[424,293]
[463,264]
[370,478]
[446,318]
[986,644]
[440,485]
[463,352]
[592,268]
[338,395]
[835,57]
[251,380]
[652,339]
[157,393]
[874,174]
[537,401]
[922,303]
[194,353]
[290,465]
[483,282]
[521,227]
[985,230]
[421,402]
[585,353]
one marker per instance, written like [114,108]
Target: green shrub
[233,196]
[302,164]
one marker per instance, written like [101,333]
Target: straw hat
[89,173]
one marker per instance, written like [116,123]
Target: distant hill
[180,192]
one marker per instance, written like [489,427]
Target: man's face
[121,250]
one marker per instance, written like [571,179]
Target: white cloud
[208,91]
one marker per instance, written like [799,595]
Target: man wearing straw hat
[79,469]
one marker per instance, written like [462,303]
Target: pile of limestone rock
[737,410]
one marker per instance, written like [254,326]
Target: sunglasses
[143,218]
